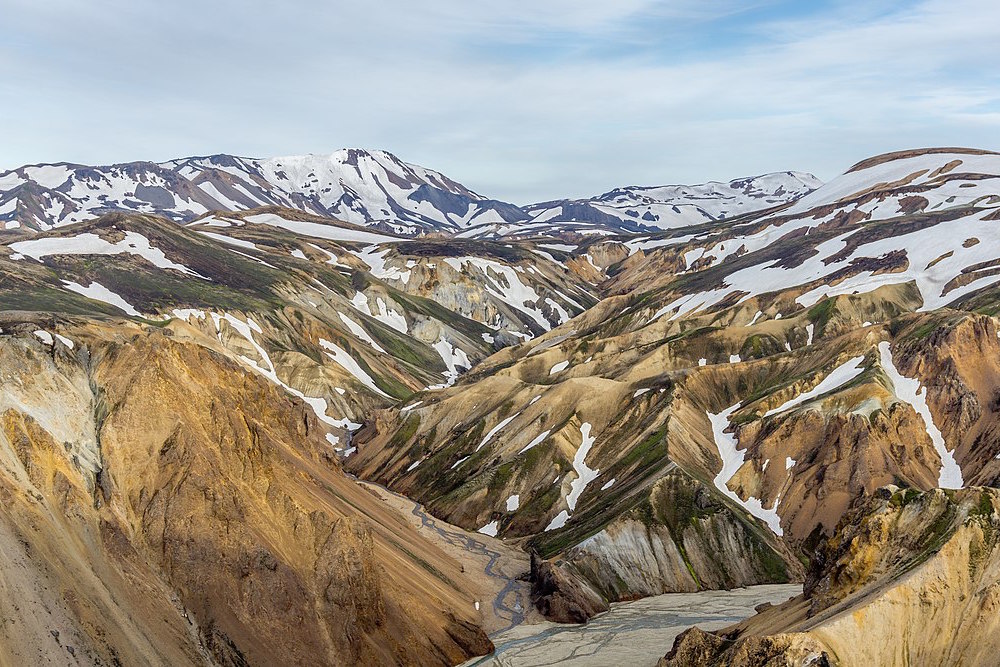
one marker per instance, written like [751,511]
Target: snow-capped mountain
[363,187]
[844,342]
[637,208]
[372,188]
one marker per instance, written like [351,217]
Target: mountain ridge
[372,188]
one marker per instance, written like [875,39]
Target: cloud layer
[520,100]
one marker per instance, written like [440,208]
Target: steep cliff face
[682,538]
[918,571]
[163,506]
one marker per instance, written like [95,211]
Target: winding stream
[633,633]
[514,614]
[510,602]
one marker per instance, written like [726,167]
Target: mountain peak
[915,152]
[368,187]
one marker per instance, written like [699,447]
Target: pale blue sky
[523,101]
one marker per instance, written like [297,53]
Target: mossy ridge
[437,474]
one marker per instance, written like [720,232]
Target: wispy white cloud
[523,100]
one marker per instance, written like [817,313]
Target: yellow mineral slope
[161,505]
[909,578]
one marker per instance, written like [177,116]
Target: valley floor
[632,633]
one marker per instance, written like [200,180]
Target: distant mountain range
[372,188]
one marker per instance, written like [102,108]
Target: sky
[521,101]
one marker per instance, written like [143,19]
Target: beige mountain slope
[340,315]
[164,506]
[907,579]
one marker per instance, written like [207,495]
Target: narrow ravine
[510,603]
[514,612]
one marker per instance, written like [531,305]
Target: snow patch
[99,292]
[558,522]
[839,376]
[537,441]
[490,529]
[347,362]
[496,429]
[356,329]
[910,391]
[559,368]
[92,244]
[584,475]
[732,459]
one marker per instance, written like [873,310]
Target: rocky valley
[344,410]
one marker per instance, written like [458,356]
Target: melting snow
[607,485]
[537,441]
[246,329]
[65,341]
[376,261]
[348,363]
[389,317]
[584,475]
[229,240]
[930,265]
[187,313]
[360,301]
[318,230]
[359,332]
[92,244]
[331,258]
[559,368]
[910,391]
[496,429]
[732,459]
[454,357]
[44,336]
[513,502]
[490,529]
[514,293]
[558,522]
[99,292]
[839,376]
